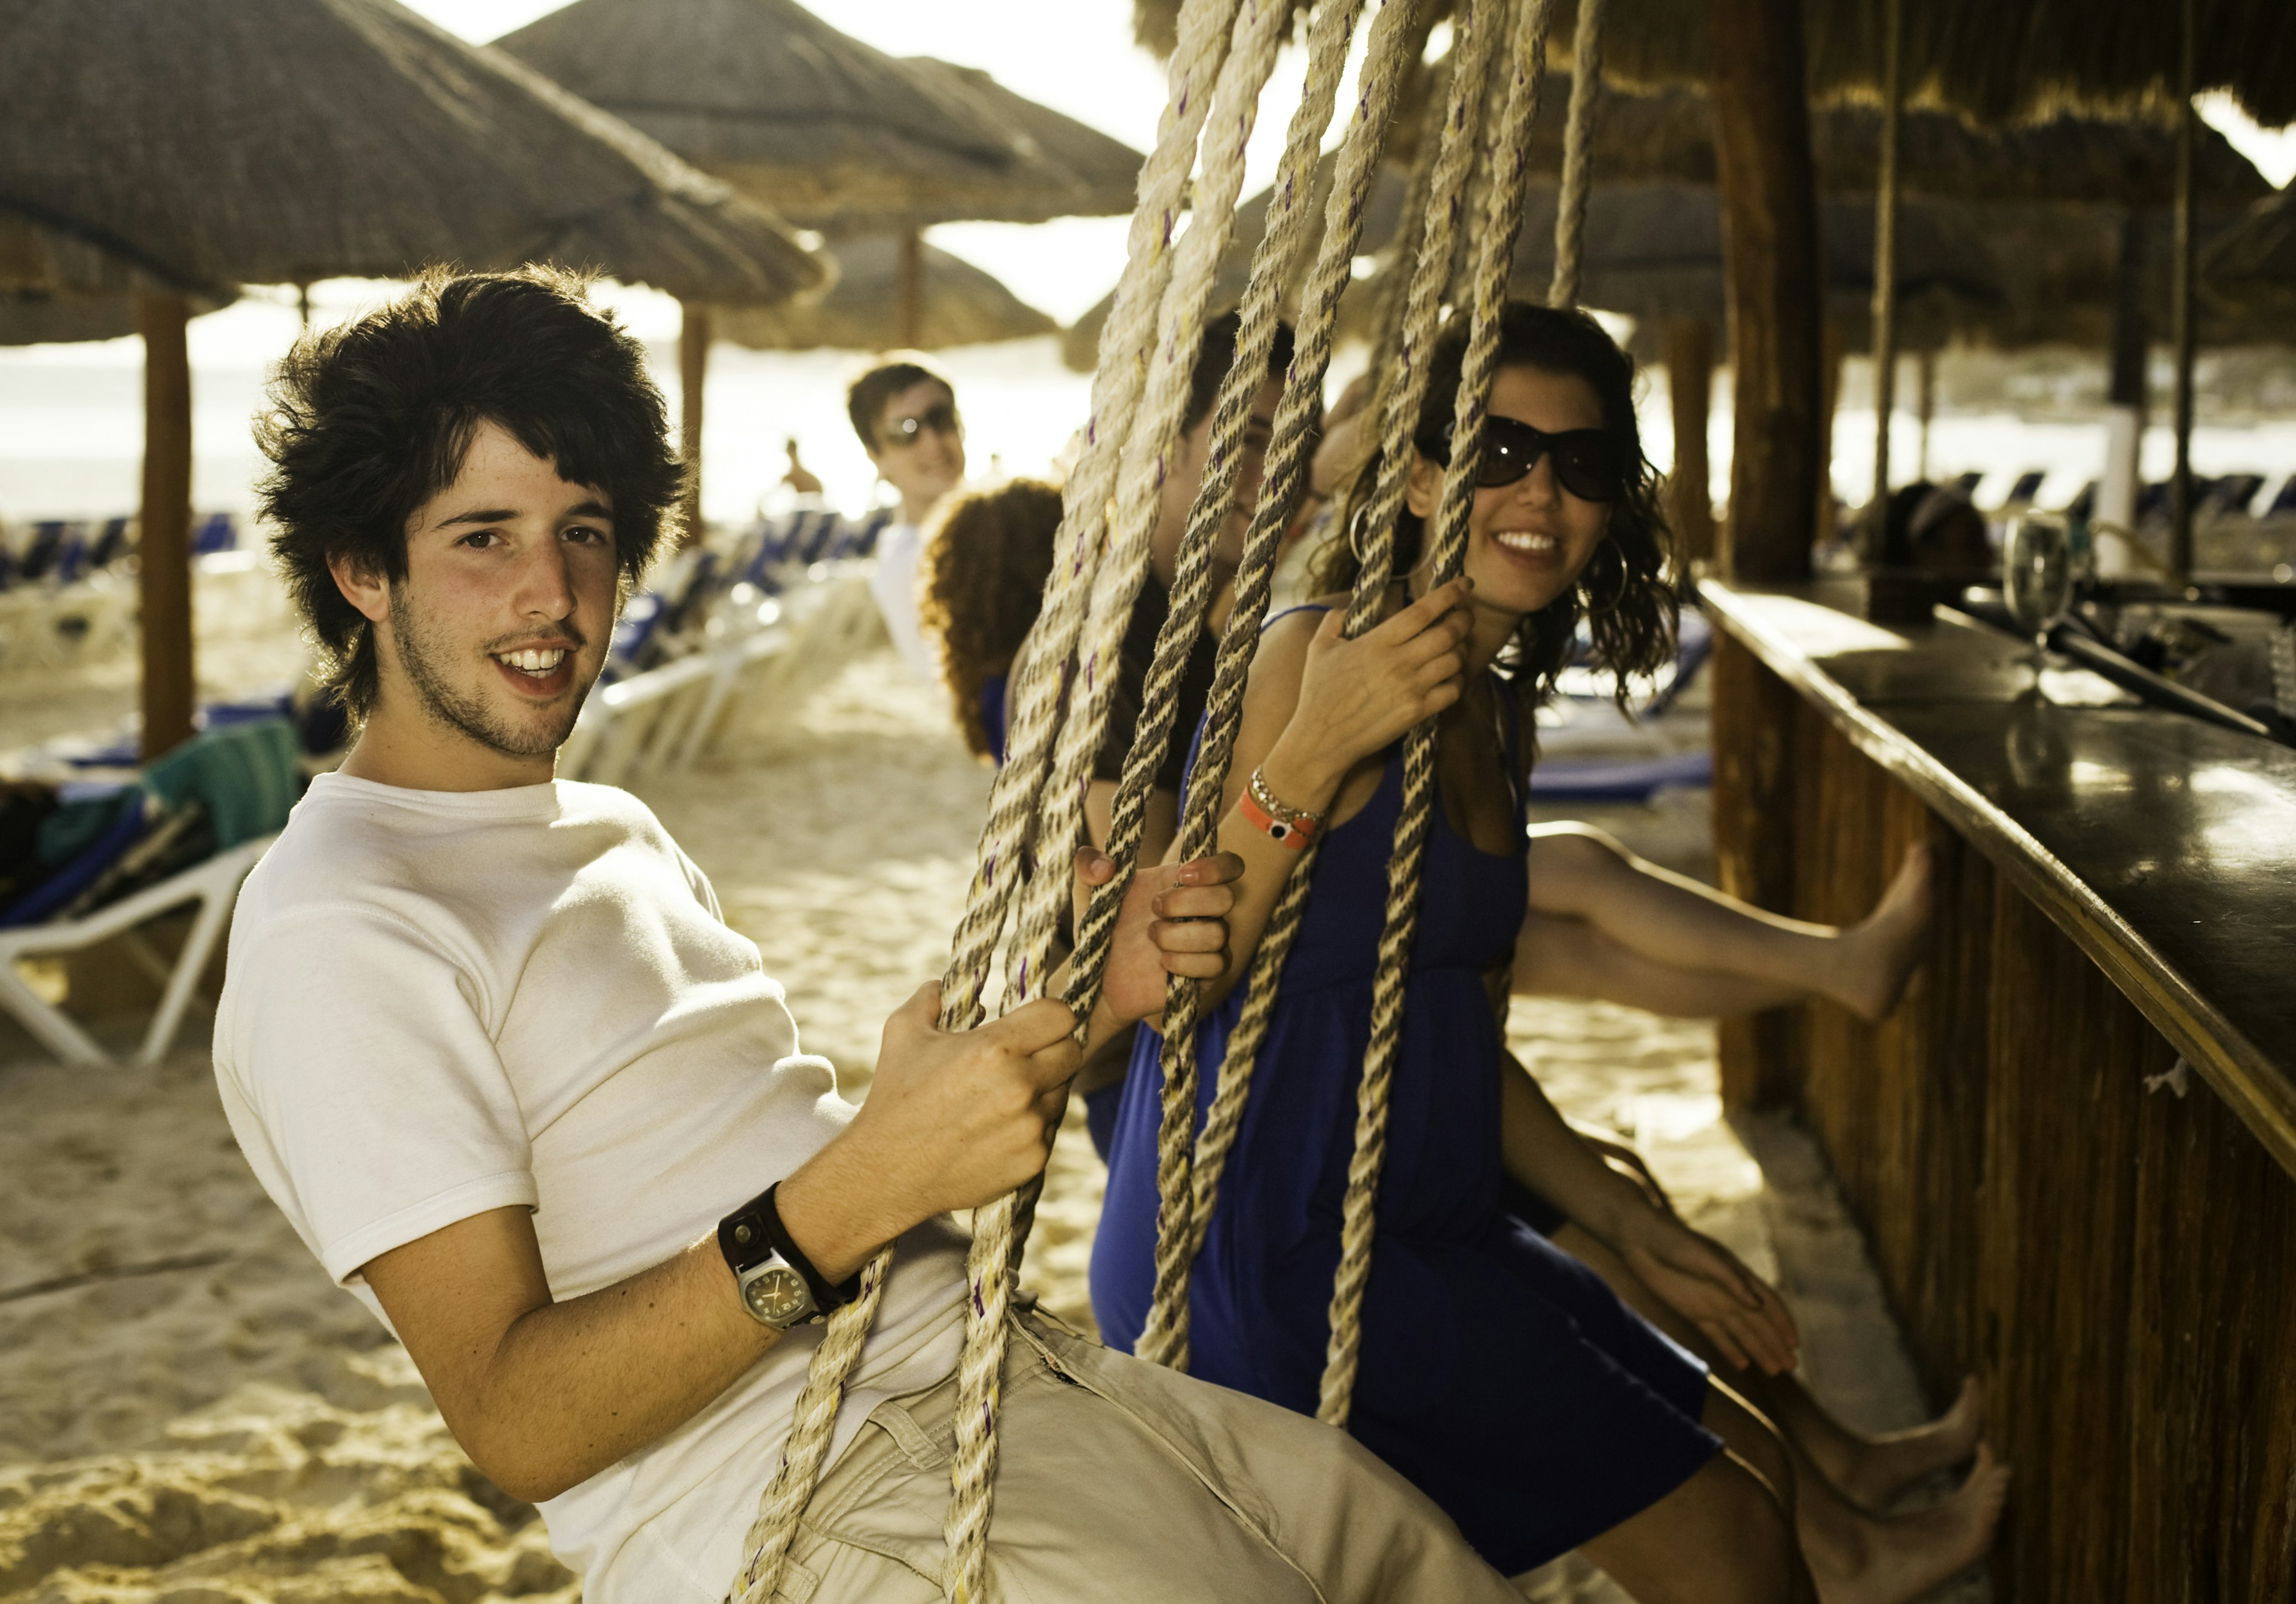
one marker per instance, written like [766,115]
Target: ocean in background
[71,420]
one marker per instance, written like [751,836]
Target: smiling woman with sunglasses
[1497,1372]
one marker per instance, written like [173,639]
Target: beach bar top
[2165,847]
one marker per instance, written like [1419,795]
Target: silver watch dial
[778,1296]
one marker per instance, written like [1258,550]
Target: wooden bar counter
[2073,1147]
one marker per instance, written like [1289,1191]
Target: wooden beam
[1885,255]
[1925,405]
[1686,346]
[1829,405]
[2125,400]
[692,373]
[912,289]
[2180,538]
[1769,229]
[164,545]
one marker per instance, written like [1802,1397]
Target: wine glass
[2036,578]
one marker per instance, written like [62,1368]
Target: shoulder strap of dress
[1287,612]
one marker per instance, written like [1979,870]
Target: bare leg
[1870,1471]
[1856,1557]
[1556,955]
[1579,872]
[1722,1538]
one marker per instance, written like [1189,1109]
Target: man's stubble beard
[421,654]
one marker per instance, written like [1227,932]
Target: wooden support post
[912,289]
[692,372]
[1769,229]
[164,547]
[1687,349]
[2125,400]
[2180,538]
[1925,401]
[1885,255]
[1755,718]
[1829,405]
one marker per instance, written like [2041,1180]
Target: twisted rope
[1494,259]
[1450,141]
[1203,34]
[1192,582]
[1126,339]
[1284,479]
[1578,154]
[812,1422]
[1258,31]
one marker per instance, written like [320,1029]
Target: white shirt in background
[901,550]
[440,1003]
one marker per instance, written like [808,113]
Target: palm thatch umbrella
[1997,60]
[766,95]
[29,317]
[963,304]
[267,141]
[827,130]
[1994,61]
[833,134]
[2251,268]
[1665,134]
[1060,167]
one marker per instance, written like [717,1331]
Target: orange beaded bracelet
[1290,828]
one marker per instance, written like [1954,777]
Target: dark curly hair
[986,558]
[1629,592]
[370,420]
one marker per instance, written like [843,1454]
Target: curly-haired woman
[1501,1374]
[986,554]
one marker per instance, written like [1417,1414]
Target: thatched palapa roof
[962,306]
[828,130]
[1061,167]
[280,141]
[1996,61]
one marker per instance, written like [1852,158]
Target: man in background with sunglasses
[905,414]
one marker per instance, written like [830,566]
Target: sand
[190,1413]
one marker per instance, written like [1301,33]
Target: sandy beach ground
[190,1413]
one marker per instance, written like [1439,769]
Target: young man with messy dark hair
[488,1043]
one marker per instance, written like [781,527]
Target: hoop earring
[1626,581]
[1354,544]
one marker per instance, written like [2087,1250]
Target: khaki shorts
[1122,1480]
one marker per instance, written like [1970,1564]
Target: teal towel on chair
[245,776]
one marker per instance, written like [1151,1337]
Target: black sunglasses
[1585,462]
[940,418]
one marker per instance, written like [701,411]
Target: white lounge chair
[213,886]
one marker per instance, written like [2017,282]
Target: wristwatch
[780,1287]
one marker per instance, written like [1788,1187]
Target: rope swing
[1225,52]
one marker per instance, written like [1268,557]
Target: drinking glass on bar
[2036,576]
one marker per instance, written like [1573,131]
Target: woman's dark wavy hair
[368,421]
[1628,592]
[986,554]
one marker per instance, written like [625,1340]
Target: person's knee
[1752,1440]
[1575,851]
[1761,1554]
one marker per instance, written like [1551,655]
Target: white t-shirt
[440,1003]
[901,550]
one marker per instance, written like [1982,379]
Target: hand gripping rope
[1225,52]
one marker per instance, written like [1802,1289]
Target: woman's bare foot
[1878,955]
[1903,1556]
[1877,1471]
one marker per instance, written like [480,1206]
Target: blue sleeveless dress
[1497,1373]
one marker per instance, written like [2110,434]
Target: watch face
[778,1296]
